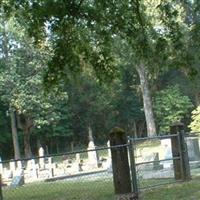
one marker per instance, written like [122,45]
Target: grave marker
[41,159]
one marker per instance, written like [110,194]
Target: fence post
[179,149]
[120,165]
[133,168]
[1,193]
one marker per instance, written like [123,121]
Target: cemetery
[99,100]
[153,162]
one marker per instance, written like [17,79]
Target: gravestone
[41,159]
[32,168]
[155,165]
[19,164]
[50,167]
[109,160]
[78,162]
[18,180]
[78,157]
[167,147]
[193,149]
[92,155]
[1,166]
[12,166]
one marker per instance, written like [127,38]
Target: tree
[4,26]
[195,124]
[170,106]
[6,148]
[81,33]
[127,103]
[23,73]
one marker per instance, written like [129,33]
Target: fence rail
[77,176]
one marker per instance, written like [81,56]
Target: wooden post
[179,149]
[1,193]
[120,165]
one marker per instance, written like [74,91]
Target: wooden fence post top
[117,130]
[117,136]
[176,127]
[177,124]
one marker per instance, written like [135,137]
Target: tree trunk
[27,146]
[147,102]
[14,135]
[135,129]
[5,44]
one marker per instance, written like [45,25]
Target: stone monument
[41,159]
[92,154]
[109,159]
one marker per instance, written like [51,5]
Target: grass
[183,191]
[62,190]
[101,189]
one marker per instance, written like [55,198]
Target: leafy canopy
[195,124]
[170,106]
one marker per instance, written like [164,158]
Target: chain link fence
[81,175]
[193,141]
[87,174]
[154,162]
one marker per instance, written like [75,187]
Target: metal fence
[84,175]
[152,159]
[192,141]
[87,174]
[153,168]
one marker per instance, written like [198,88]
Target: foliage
[127,101]
[22,71]
[82,33]
[195,124]
[170,106]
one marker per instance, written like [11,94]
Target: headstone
[41,159]
[19,164]
[78,157]
[155,165]
[193,149]
[12,166]
[50,160]
[51,167]
[1,166]
[166,145]
[32,168]
[109,161]
[92,155]
[18,180]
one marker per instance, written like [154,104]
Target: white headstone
[51,167]
[1,166]
[12,166]
[19,164]
[166,144]
[32,168]
[78,157]
[41,160]
[109,159]
[167,147]
[92,155]
[193,148]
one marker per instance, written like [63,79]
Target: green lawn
[62,190]
[179,191]
[100,190]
